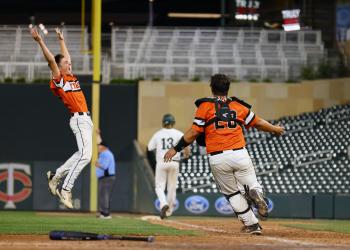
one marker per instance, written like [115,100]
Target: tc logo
[11,175]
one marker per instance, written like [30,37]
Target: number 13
[168,143]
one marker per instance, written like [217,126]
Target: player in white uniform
[166,173]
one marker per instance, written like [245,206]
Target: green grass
[33,223]
[339,226]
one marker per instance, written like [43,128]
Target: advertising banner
[16,186]
[192,204]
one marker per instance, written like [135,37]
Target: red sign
[291,20]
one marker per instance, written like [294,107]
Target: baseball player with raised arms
[166,173]
[220,119]
[66,87]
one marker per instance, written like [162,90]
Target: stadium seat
[310,158]
[259,54]
[24,58]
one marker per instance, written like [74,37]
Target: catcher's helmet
[168,119]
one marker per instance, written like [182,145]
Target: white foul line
[292,242]
[211,229]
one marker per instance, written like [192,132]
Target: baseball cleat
[168,213]
[254,229]
[260,203]
[163,212]
[52,181]
[65,197]
[105,217]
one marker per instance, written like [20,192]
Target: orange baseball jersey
[67,88]
[223,135]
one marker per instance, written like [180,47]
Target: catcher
[219,122]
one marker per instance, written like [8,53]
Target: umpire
[105,172]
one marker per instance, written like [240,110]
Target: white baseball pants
[82,128]
[166,176]
[232,170]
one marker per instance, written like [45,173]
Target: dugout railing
[143,191]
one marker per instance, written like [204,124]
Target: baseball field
[29,230]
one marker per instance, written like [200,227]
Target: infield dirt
[216,233]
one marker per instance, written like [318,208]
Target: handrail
[296,162]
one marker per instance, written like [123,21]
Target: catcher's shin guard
[241,208]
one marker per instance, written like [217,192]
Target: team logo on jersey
[71,86]
[223,206]
[157,205]
[269,203]
[11,175]
[196,204]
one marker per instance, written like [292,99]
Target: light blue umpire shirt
[107,162]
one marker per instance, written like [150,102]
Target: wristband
[181,145]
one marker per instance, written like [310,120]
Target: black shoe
[163,212]
[260,203]
[254,229]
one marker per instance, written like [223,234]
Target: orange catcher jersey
[223,130]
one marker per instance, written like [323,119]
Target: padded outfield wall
[35,136]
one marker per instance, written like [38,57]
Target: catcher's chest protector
[222,113]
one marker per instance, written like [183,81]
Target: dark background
[35,130]
[35,123]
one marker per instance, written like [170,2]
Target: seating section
[312,157]
[170,53]
[7,43]
[183,54]
[22,57]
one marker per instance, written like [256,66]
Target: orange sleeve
[251,119]
[56,83]
[54,89]
[200,119]
[245,115]
[253,122]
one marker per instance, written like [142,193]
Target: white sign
[247,10]
[291,19]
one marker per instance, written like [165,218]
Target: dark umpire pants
[105,188]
